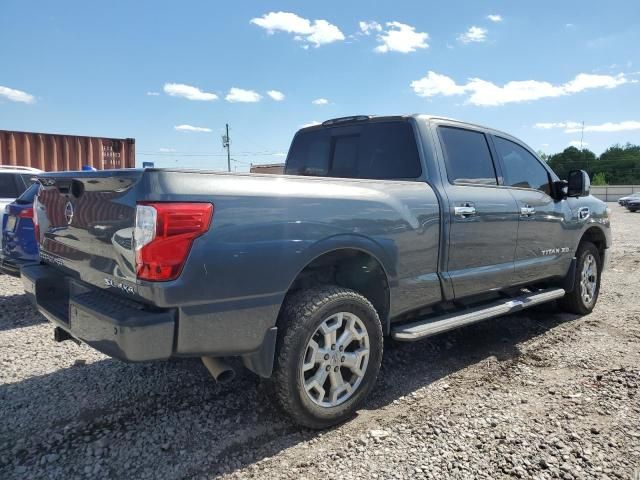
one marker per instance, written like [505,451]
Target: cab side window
[522,169]
[467,156]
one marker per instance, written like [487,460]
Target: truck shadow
[173,420]
[17,312]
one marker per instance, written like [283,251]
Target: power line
[185,154]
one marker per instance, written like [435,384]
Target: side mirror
[578,184]
[559,189]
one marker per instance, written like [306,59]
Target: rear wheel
[586,286]
[329,354]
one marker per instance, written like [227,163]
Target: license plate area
[11,223]
[52,294]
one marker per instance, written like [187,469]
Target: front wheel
[586,286]
[329,355]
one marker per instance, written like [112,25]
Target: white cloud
[575,127]
[239,95]
[312,123]
[577,144]
[474,34]
[316,32]
[584,81]
[402,38]
[483,93]
[188,92]
[367,28]
[569,25]
[613,127]
[16,95]
[191,128]
[495,18]
[168,150]
[549,126]
[324,32]
[320,101]
[436,84]
[153,94]
[276,95]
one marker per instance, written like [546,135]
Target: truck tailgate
[86,222]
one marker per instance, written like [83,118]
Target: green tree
[621,164]
[599,179]
[572,158]
[543,156]
[618,164]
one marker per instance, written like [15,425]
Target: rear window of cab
[376,150]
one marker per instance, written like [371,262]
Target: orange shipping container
[53,152]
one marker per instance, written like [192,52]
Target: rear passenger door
[483,217]
[543,248]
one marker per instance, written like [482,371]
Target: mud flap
[260,362]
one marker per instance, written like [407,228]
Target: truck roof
[420,116]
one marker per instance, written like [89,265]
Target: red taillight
[163,236]
[36,226]
[26,213]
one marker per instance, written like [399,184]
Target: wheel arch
[596,236]
[353,267]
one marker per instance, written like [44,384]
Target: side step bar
[411,332]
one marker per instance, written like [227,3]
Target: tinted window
[521,169]
[27,179]
[8,187]
[375,150]
[467,156]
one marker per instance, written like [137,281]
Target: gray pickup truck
[400,226]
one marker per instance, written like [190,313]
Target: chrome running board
[420,329]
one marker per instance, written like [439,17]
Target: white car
[624,200]
[13,181]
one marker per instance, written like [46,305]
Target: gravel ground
[534,395]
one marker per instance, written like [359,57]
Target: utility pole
[582,146]
[226,142]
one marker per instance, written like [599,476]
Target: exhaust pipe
[221,371]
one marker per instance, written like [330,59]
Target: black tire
[633,210]
[302,315]
[574,301]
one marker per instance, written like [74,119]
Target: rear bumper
[11,266]
[112,325]
[135,332]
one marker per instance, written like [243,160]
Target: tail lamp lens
[163,236]
[26,213]
[36,225]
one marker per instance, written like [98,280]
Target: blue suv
[19,244]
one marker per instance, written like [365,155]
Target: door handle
[465,211]
[527,211]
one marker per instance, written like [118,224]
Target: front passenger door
[543,248]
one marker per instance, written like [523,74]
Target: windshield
[29,194]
